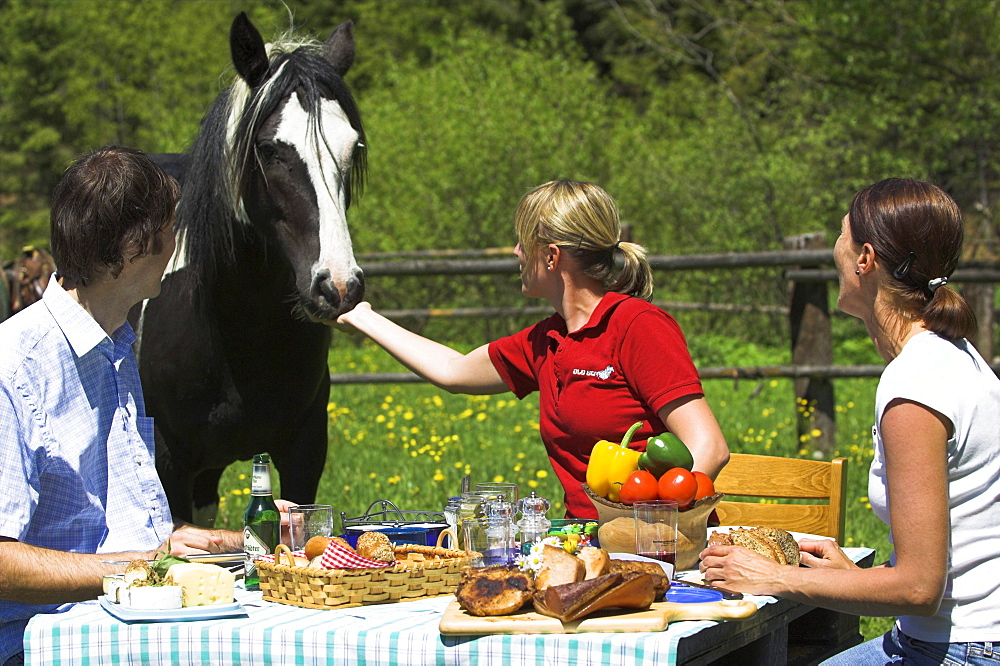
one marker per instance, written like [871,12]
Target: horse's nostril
[323,289]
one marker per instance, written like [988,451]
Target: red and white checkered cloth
[336,557]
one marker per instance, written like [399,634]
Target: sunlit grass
[412,444]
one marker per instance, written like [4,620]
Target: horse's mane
[221,156]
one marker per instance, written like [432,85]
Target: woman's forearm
[437,363]
[877,592]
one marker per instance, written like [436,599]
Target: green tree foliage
[718,125]
[78,75]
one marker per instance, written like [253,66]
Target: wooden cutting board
[457,622]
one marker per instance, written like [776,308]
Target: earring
[857,271]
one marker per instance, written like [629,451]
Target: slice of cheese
[203,584]
[152,597]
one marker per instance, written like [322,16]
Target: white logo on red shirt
[600,374]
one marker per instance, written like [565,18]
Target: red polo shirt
[629,361]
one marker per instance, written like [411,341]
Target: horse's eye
[267,151]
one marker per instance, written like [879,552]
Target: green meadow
[413,443]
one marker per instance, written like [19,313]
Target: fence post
[980,298]
[809,320]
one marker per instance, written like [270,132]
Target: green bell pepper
[665,452]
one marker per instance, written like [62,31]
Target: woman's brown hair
[916,230]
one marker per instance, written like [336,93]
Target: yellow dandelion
[237,491]
[773,383]
[816,432]
[532,483]
[371,475]
[498,478]
[458,465]
[541,474]
[242,477]
[246,491]
[438,402]
[380,418]
[481,416]
[388,398]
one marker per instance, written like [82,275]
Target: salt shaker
[533,524]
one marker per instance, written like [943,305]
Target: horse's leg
[206,497]
[301,466]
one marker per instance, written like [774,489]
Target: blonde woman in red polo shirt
[606,359]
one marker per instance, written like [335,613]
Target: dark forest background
[717,125]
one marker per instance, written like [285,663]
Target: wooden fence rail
[806,263]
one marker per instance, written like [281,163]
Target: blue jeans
[896,648]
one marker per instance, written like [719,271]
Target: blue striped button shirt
[76,447]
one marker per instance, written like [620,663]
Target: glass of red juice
[656,531]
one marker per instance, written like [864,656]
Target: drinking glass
[475,539]
[656,531]
[306,521]
[509,490]
[472,505]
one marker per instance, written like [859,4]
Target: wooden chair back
[773,477]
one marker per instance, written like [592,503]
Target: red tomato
[679,485]
[705,486]
[639,486]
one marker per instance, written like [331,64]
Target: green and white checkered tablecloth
[283,635]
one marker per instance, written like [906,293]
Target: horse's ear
[248,52]
[339,47]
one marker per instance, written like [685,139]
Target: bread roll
[771,542]
[316,545]
[376,546]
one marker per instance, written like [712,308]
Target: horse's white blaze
[327,168]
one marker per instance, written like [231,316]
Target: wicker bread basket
[419,572]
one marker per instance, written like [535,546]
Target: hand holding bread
[756,566]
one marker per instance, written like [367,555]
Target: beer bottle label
[260,483]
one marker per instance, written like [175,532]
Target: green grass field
[413,443]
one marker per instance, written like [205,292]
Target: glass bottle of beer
[261,523]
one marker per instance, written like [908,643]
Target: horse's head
[297,156]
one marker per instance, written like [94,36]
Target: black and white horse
[233,352]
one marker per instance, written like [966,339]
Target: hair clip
[904,266]
[937,282]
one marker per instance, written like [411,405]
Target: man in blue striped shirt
[78,484]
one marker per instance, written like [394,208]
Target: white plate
[798,536]
[126,614]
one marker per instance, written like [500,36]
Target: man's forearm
[33,575]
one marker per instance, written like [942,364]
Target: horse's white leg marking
[326,167]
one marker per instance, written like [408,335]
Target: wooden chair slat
[774,477]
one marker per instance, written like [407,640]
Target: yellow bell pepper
[610,464]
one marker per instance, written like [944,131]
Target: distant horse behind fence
[233,352]
[23,280]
